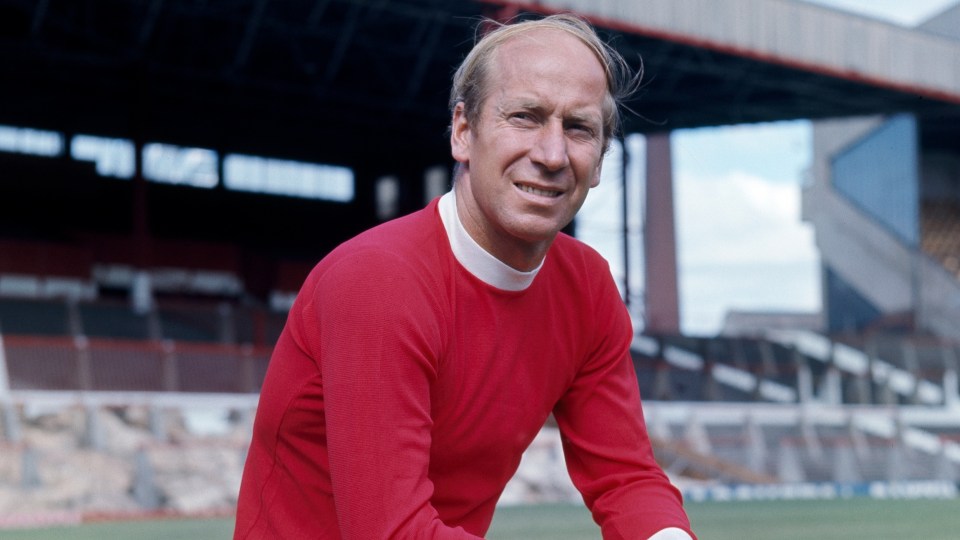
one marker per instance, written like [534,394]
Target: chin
[535,235]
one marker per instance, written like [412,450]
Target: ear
[595,181]
[460,135]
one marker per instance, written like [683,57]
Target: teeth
[540,192]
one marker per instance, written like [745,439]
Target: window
[283,177]
[30,141]
[196,167]
[171,164]
[113,157]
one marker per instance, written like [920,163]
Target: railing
[775,431]
[798,367]
[112,365]
[808,442]
[196,321]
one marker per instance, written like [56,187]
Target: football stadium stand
[138,296]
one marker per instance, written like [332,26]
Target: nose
[550,147]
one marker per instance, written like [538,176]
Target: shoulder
[402,263]
[402,235]
[574,251]
[576,260]
[413,243]
[574,266]
[391,276]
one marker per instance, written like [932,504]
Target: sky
[741,244]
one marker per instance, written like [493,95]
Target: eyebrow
[533,105]
[585,118]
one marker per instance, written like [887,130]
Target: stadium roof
[350,81]
[364,83]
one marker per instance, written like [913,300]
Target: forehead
[546,42]
[548,63]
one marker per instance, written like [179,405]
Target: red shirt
[404,390]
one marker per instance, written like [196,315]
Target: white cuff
[671,533]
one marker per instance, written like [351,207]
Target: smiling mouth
[540,192]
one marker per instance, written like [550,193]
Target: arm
[608,452]
[378,342]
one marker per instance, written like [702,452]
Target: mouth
[538,192]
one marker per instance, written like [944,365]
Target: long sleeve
[403,390]
[608,452]
[379,343]
[342,439]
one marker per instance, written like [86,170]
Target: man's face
[536,147]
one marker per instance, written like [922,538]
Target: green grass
[180,529]
[847,519]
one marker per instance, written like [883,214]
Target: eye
[582,130]
[522,116]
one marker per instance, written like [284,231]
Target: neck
[474,258]
[517,255]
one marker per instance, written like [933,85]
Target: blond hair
[472,87]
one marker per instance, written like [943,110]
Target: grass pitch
[843,519]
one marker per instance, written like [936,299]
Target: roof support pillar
[625,210]
[662,306]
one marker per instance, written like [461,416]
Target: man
[422,357]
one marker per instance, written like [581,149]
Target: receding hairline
[471,88]
[511,33]
[536,37]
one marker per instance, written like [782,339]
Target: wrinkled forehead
[548,39]
[521,54]
[553,42]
